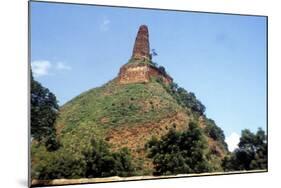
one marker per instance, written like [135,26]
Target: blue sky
[221,58]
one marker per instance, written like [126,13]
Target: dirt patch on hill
[135,137]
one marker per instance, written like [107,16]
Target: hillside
[114,112]
[123,115]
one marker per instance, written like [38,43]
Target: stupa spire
[141,47]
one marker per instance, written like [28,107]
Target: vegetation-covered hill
[126,116]
[140,123]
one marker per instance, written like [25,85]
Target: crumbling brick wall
[140,69]
[140,74]
[141,47]
[133,74]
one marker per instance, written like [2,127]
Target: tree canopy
[215,132]
[95,161]
[251,154]
[44,111]
[180,152]
[102,163]
[184,98]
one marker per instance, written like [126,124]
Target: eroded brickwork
[140,69]
[141,74]
[133,74]
[154,72]
[141,47]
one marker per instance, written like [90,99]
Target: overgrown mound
[124,117]
[114,105]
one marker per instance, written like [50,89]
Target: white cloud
[40,68]
[62,66]
[104,26]
[232,141]
[45,67]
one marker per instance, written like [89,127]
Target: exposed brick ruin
[140,68]
[141,74]
[141,47]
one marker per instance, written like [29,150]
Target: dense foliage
[180,152]
[184,98]
[251,154]
[56,164]
[215,132]
[44,111]
[102,163]
[96,161]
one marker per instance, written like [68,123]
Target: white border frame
[14,101]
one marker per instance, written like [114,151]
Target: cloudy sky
[221,58]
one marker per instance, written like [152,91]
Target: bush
[184,98]
[251,154]
[162,70]
[189,100]
[179,152]
[102,163]
[215,132]
[57,164]
[96,161]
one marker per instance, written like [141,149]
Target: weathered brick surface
[133,74]
[140,70]
[141,47]
[152,71]
[141,74]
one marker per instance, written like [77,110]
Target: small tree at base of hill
[180,152]
[103,163]
[96,161]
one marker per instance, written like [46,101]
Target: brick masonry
[140,69]
[141,74]
[141,47]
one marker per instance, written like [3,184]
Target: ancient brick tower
[141,47]
[140,68]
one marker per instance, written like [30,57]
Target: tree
[44,111]
[153,52]
[185,98]
[95,161]
[180,152]
[251,154]
[101,162]
[57,164]
[215,132]
[162,70]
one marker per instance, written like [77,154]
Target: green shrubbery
[183,97]
[180,152]
[57,164]
[215,132]
[44,111]
[251,154]
[96,161]
[103,163]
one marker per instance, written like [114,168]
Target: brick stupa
[141,47]
[140,68]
